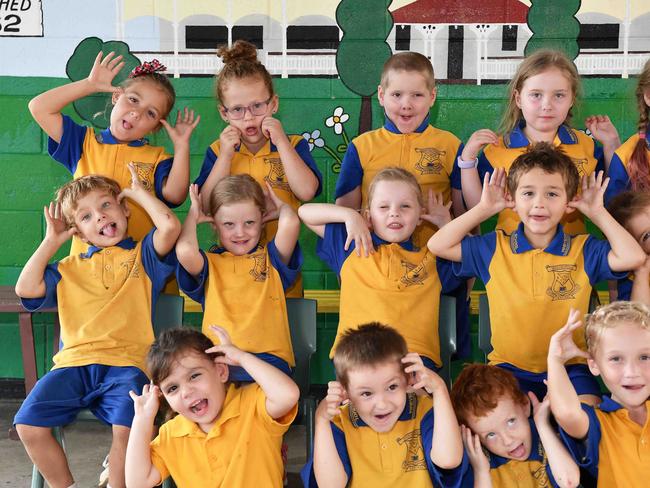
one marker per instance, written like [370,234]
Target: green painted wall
[30,176]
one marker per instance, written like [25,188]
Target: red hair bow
[148,68]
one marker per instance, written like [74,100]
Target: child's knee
[31,434]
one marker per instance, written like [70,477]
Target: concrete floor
[87,444]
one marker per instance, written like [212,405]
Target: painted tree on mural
[363,49]
[95,108]
[554,26]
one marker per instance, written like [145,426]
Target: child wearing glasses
[254,142]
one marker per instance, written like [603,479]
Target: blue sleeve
[191,286]
[624,288]
[477,253]
[330,247]
[307,472]
[599,156]
[302,148]
[484,166]
[597,268]
[448,279]
[619,180]
[208,163]
[454,178]
[162,171]
[288,272]
[68,151]
[351,174]
[449,478]
[585,452]
[158,268]
[51,276]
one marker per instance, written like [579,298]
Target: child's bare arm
[139,470]
[175,185]
[31,282]
[167,225]
[229,141]
[351,199]
[446,242]
[328,468]
[641,284]
[302,180]
[188,252]
[288,224]
[564,468]
[469,177]
[281,392]
[626,254]
[564,400]
[46,107]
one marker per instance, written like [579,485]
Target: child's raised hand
[602,129]
[182,130]
[229,141]
[272,204]
[590,201]
[104,71]
[477,458]
[136,185]
[358,232]
[146,404]
[420,376]
[561,347]
[437,212]
[57,230]
[476,142]
[273,130]
[196,208]
[494,197]
[232,355]
[541,410]
[336,396]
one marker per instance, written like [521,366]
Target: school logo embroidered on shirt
[429,162]
[414,274]
[580,164]
[260,270]
[131,268]
[563,286]
[276,176]
[414,452]
[145,174]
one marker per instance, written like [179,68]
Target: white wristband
[467,164]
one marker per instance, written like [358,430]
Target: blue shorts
[59,395]
[581,379]
[239,374]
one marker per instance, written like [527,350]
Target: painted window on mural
[205,36]
[250,33]
[598,36]
[509,38]
[312,37]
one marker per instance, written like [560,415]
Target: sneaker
[103,476]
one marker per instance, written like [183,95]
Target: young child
[140,106]
[254,142]
[610,440]
[541,96]
[495,415]
[223,435]
[631,209]
[399,283]
[241,284]
[407,92]
[630,167]
[372,429]
[105,298]
[536,274]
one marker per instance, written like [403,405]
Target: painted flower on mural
[313,139]
[337,120]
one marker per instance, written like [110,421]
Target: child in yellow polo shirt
[372,429]
[521,451]
[241,283]
[399,283]
[534,275]
[222,435]
[105,299]
[612,440]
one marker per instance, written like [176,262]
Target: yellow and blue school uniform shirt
[399,285]
[246,296]
[619,179]
[106,298]
[83,152]
[530,290]
[241,450]
[582,149]
[616,449]
[401,457]
[428,153]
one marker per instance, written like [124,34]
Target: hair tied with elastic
[148,68]
[642,134]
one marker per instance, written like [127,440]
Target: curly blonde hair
[613,315]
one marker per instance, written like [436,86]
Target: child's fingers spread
[222,334]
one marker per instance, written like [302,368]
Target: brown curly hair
[240,61]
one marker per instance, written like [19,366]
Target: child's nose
[631,369]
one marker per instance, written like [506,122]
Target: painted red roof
[462,12]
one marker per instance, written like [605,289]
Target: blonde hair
[396,174]
[638,165]
[239,62]
[408,61]
[538,62]
[70,193]
[235,189]
[613,315]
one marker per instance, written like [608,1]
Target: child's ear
[434,93]
[274,104]
[380,95]
[125,206]
[224,115]
[569,209]
[593,367]
[517,97]
[117,93]
[366,216]
[222,371]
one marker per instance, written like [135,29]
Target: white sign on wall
[21,18]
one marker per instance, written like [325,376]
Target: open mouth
[633,387]
[109,230]
[518,452]
[395,226]
[251,131]
[199,407]
[126,125]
